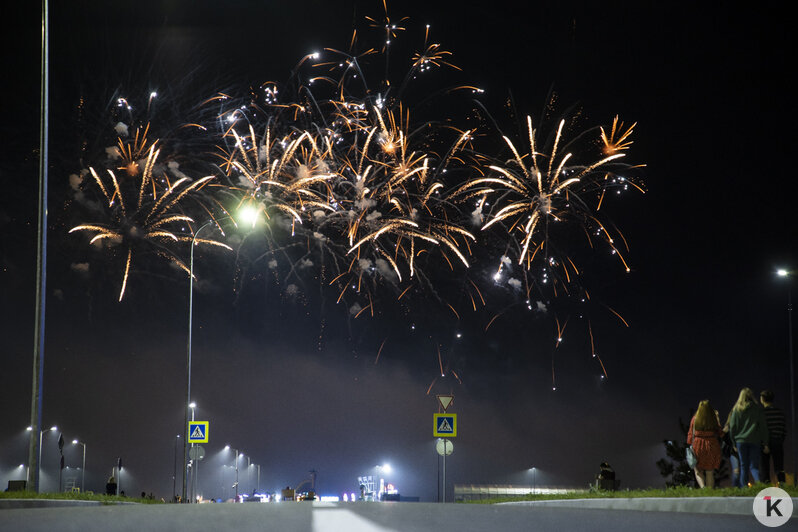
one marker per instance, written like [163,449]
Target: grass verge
[680,491]
[105,499]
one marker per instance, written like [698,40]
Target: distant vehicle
[307,496]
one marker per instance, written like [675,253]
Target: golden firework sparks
[143,214]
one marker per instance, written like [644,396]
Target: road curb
[700,505]
[11,504]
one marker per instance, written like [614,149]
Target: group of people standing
[751,438]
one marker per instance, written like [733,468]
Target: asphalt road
[365,517]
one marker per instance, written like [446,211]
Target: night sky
[295,382]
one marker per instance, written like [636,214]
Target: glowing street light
[250,216]
[188,351]
[54,428]
[786,274]
[83,470]
[384,469]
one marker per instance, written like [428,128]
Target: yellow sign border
[188,436]
[435,432]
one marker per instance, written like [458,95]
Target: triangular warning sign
[198,434]
[445,401]
[444,425]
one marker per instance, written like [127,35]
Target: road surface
[366,517]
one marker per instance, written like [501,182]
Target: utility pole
[34,450]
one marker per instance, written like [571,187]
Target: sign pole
[444,425]
[444,472]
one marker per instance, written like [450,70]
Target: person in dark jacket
[749,431]
[110,486]
[777,431]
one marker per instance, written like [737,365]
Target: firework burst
[393,203]
[536,201]
[143,207]
[534,196]
[363,188]
[363,199]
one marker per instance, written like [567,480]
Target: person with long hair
[704,437]
[749,431]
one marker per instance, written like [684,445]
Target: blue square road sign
[445,425]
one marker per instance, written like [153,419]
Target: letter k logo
[772,507]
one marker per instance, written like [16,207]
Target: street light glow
[781,272]
[248,215]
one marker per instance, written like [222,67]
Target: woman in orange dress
[704,436]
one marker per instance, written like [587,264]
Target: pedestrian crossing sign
[445,425]
[197,432]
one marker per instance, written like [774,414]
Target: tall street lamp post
[249,215]
[793,436]
[34,453]
[119,476]
[39,456]
[235,465]
[174,472]
[83,469]
[193,461]
[249,473]
[188,350]
[225,467]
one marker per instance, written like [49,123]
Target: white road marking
[330,517]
